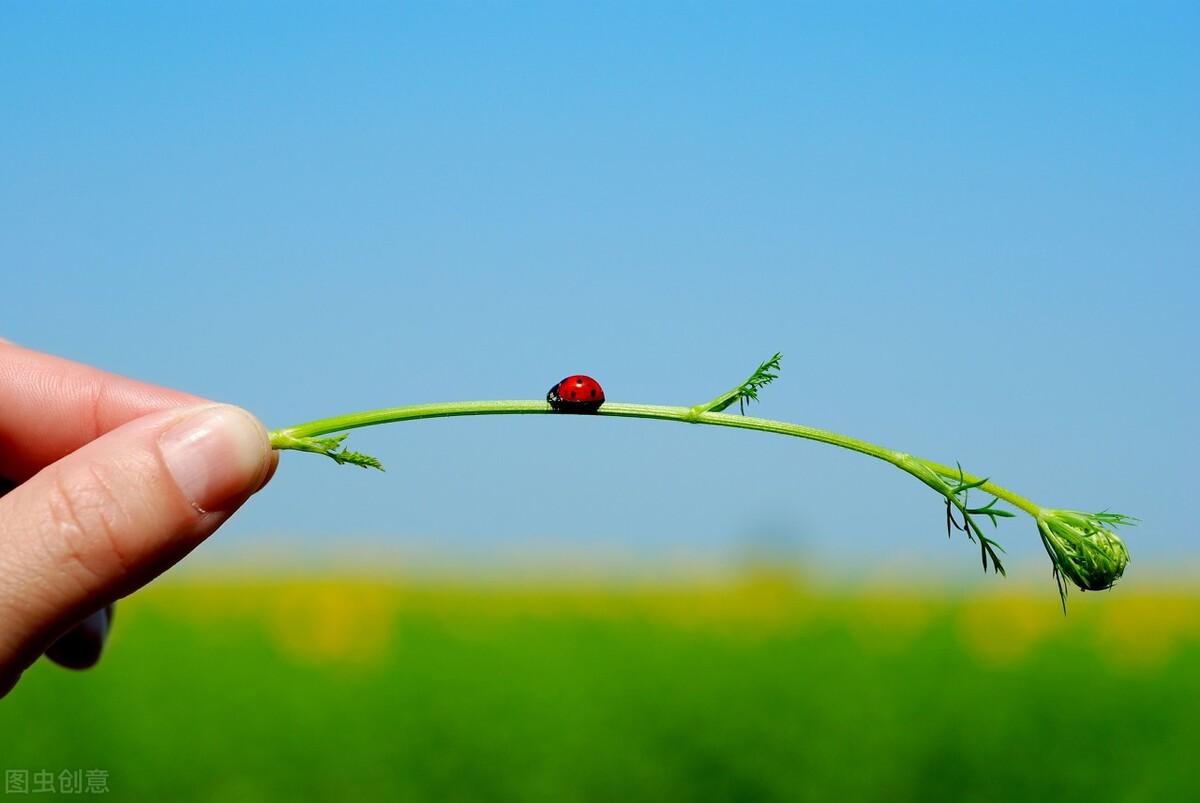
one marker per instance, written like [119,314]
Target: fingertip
[81,646]
[272,466]
[217,455]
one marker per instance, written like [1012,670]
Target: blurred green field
[755,690]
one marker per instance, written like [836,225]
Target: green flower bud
[1083,548]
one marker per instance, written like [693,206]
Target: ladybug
[576,394]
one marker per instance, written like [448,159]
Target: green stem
[293,437]
[1016,500]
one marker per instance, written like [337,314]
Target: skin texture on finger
[81,646]
[116,513]
[49,407]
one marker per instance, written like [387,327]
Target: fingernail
[217,456]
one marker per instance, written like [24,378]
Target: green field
[754,690]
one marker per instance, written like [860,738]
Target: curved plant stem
[301,435]
[1083,548]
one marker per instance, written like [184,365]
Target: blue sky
[972,232]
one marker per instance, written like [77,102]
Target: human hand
[110,482]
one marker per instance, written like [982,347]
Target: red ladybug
[576,394]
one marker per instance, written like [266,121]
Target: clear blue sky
[972,231]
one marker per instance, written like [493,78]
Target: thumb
[107,518]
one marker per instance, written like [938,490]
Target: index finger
[49,407]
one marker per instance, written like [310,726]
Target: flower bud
[1083,549]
